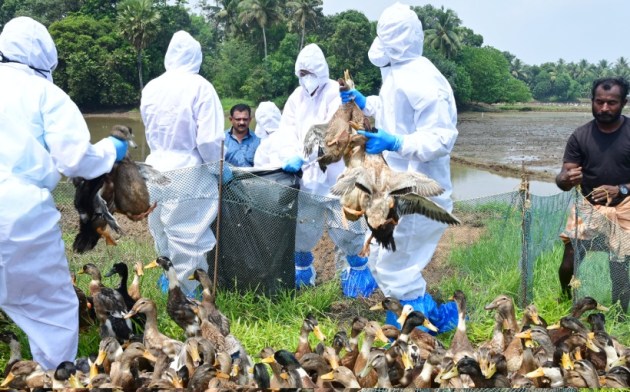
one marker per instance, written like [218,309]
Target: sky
[535,31]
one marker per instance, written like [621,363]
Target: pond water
[468,182]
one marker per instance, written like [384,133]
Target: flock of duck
[135,355]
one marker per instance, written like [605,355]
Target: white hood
[399,36]
[267,119]
[183,53]
[26,41]
[311,59]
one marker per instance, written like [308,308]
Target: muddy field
[503,142]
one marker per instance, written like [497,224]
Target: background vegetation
[108,49]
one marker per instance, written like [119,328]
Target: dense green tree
[96,66]
[235,61]
[138,20]
[489,73]
[263,12]
[456,75]
[347,48]
[304,13]
[469,38]
[44,11]
[99,8]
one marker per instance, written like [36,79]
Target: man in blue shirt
[240,142]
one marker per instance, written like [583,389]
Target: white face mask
[310,83]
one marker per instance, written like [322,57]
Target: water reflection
[101,125]
[468,183]
[471,183]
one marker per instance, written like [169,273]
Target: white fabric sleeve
[372,105]
[288,142]
[435,132]
[67,137]
[210,121]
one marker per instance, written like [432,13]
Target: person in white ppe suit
[267,123]
[184,127]
[315,101]
[43,134]
[416,118]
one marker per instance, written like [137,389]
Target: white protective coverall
[301,111]
[267,123]
[417,103]
[42,133]
[183,120]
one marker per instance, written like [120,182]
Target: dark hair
[241,107]
[608,83]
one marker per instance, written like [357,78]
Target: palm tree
[621,68]
[138,21]
[519,70]
[304,12]
[264,12]
[444,35]
[224,15]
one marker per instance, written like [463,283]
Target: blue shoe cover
[357,280]
[304,270]
[162,283]
[444,317]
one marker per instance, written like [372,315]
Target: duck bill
[7,380]
[129,314]
[102,354]
[554,326]
[602,308]
[365,371]
[381,336]
[318,333]
[536,319]
[536,373]
[152,264]
[453,372]
[590,344]
[406,361]
[93,371]
[428,325]
[491,370]
[268,360]
[149,356]
[328,376]
[74,382]
[222,375]
[378,306]
[566,362]
[524,335]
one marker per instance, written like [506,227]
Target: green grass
[482,270]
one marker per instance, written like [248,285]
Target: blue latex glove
[120,146]
[293,164]
[380,141]
[353,95]
[227,174]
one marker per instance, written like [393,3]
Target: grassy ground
[483,270]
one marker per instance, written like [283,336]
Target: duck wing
[314,138]
[152,175]
[412,203]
